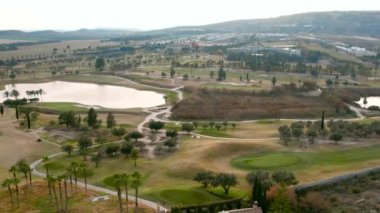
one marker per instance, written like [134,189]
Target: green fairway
[305,160]
[58,106]
[183,196]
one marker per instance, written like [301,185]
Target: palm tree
[135,155]
[7,183]
[83,166]
[64,178]
[126,180]
[7,94]
[40,92]
[23,167]
[136,183]
[69,172]
[117,182]
[15,94]
[52,179]
[13,169]
[15,182]
[46,165]
[74,168]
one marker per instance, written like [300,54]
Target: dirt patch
[16,144]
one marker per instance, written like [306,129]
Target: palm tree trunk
[60,193]
[85,180]
[119,198]
[66,197]
[47,176]
[136,200]
[30,178]
[71,184]
[10,193]
[126,195]
[17,190]
[76,179]
[55,197]
[26,177]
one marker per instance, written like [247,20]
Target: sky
[155,14]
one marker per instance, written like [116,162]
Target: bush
[118,132]
[374,108]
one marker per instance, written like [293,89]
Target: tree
[74,168]
[285,134]
[12,75]
[171,133]
[110,120]
[52,179]
[284,178]
[24,167]
[323,121]
[297,132]
[274,81]
[45,160]
[69,119]
[112,149]
[281,203]
[188,127]
[92,118]
[172,72]
[17,113]
[226,181]
[212,73]
[205,178]
[311,134]
[100,63]
[84,142]
[117,182]
[156,125]
[135,155]
[7,94]
[336,136]
[171,143]
[69,148]
[126,148]
[222,75]
[119,131]
[263,177]
[15,93]
[329,82]
[96,158]
[136,183]
[126,179]
[1,109]
[135,135]
[83,167]
[7,183]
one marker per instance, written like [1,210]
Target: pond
[106,96]
[371,101]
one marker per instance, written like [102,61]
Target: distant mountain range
[364,23]
[333,23]
[69,35]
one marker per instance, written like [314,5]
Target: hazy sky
[154,14]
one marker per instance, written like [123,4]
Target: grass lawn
[185,196]
[295,161]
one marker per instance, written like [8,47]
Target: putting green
[267,161]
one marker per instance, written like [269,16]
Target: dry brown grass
[204,104]
[38,200]
[16,144]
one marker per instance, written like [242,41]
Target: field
[203,104]
[16,144]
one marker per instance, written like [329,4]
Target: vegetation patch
[242,105]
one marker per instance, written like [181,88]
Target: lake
[371,101]
[106,96]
